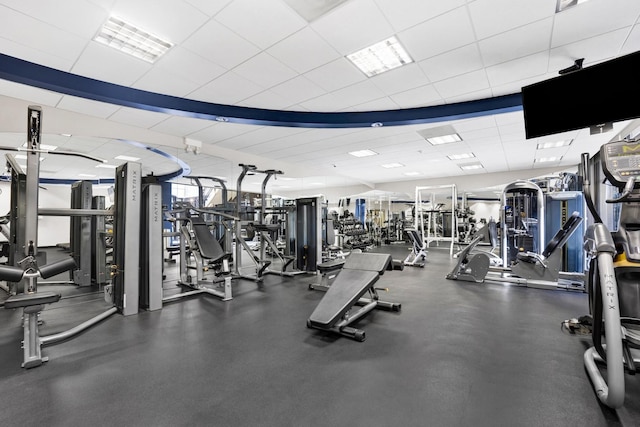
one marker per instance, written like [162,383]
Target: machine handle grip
[628,189]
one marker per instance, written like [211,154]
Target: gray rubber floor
[458,354]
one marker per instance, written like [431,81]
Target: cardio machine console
[621,161]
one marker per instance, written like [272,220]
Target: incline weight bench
[335,312]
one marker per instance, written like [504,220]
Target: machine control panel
[621,161]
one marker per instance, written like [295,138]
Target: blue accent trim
[20,71]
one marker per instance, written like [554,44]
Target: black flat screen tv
[602,93]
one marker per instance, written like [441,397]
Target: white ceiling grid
[263,54]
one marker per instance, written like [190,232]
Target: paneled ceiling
[263,54]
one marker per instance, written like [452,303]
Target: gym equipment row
[136,271]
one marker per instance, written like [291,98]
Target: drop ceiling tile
[297,90]
[358,93]
[462,84]
[181,126]
[632,44]
[254,20]
[221,131]
[30,93]
[518,69]
[470,96]
[492,17]
[419,97]
[446,32]
[303,51]
[166,83]
[104,63]
[17,50]
[210,7]
[403,14]
[452,63]
[199,70]
[264,70]
[267,100]
[400,79]
[335,75]
[140,118]
[74,16]
[85,106]
[599,48]
[353,26]
[522,41]
[325,103]
[38,35]
[593,18]
[229,88]
[380,104]
[218,44]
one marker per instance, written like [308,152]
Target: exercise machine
[418,249]
[198,243]
[345,301]
[614,274]
[523,216]
[529,269]
[473,267]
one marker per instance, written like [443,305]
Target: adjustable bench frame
[32,303]
[418,249]
[345,301]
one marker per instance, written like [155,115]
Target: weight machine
[125,292]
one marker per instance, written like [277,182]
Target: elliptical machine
[614,275]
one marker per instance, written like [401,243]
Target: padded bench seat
[332,265]
[28,300]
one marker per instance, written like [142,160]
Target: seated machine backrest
[480,237]
[492,228]
[415,237]
[331,233]
[563,234]
[368,262]
[207,244]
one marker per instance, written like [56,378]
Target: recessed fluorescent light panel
[566,4]
[554,144]
[106,166]
[134,41]
[548,159]
[380,57]
[412,173]
[363,153]
[445,139]
[127,158]
[471,166]
[440,135]
[461,156]
[392,165]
